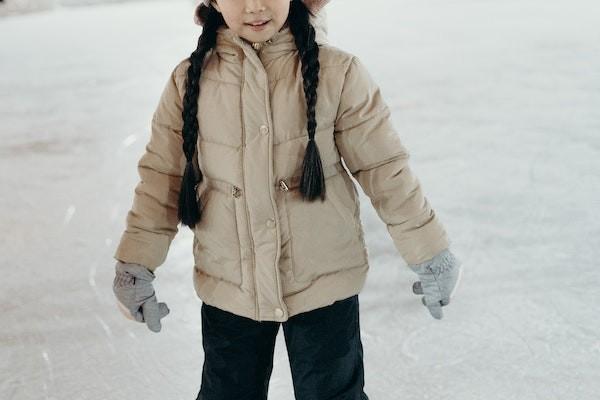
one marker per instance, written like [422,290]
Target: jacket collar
[231,47]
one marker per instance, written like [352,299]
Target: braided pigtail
[312,182]
[189,206]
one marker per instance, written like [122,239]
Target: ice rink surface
[499,105]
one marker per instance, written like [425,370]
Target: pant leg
[325,352]
[238,355]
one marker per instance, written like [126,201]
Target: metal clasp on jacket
[293,182]
[283,186]
[236,191]
[259,45]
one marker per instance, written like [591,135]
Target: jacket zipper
[246,206]
[284,188]
[236,193]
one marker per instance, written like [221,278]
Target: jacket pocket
[217,247]
[325,237]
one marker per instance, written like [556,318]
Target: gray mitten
[135,295]
[439,278]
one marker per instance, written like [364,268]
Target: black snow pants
[323,345]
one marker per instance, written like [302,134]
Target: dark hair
[312,182]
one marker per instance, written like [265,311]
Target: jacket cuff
[422,243]
[144,248]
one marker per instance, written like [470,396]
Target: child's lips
[256,26]
[258,23]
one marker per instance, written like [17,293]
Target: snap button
[278,312]
[236,191]
[264,129]
[270,222]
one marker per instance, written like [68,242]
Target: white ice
[499,105]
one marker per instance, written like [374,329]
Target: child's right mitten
[135,295]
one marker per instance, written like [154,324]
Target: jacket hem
[324,291]
[332,287]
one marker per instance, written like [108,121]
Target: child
[246,149]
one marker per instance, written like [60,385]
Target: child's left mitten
[439,278]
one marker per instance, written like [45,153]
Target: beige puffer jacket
[259,250]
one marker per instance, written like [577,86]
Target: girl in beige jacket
[254,144]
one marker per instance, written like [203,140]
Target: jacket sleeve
[371,149]
[151,223]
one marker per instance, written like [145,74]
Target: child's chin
[258,36]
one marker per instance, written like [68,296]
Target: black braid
[312,182]
[190,208]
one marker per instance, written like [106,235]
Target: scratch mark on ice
[108,333]
[50,369]
[92,278]
[406,345]
[129,140]
[69,214]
